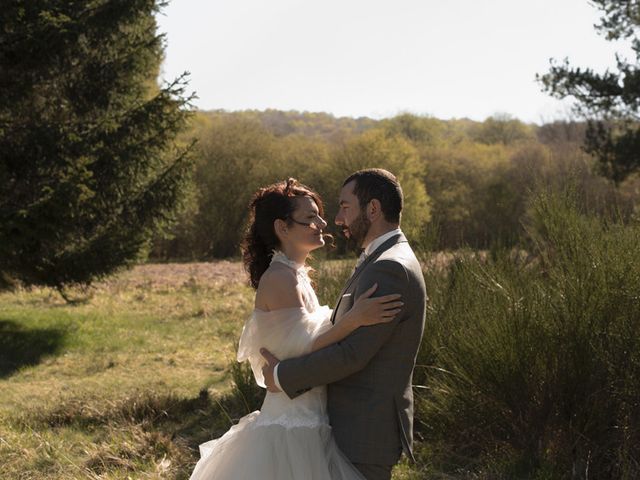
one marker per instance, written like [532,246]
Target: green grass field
[126,384]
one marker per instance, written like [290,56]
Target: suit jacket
[368,374]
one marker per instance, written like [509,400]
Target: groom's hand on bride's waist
[267,370]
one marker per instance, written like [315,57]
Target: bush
[533,370]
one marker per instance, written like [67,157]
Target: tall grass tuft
[533,370]
[245,391]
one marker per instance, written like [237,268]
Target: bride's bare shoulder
[278,288]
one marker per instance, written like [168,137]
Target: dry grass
[123,384]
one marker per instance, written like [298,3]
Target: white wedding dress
[286,439]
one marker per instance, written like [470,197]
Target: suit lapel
[376,253]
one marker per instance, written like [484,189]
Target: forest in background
[466,183]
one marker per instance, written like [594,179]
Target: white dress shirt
[376,242]
[368,250]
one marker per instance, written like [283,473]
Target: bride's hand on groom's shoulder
[368,310]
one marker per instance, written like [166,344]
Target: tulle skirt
[254,450]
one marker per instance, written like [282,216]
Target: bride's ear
[280,227]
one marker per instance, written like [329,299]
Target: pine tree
[90,167]
[609,101]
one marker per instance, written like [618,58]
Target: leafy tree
[458,177]
[418,130]
[504,129]
[89,163]
[235,157]
[610,100]
[561,132]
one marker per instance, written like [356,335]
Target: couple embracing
[339,404]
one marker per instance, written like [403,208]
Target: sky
[378,58]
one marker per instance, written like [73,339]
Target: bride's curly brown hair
[277,201]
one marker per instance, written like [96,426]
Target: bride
[287,439]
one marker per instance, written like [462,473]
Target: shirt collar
[376,242]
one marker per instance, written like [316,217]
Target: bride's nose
[322,224]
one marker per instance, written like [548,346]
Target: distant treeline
[466,183]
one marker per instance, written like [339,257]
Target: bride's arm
[365,311]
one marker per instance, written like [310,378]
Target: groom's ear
[374,209]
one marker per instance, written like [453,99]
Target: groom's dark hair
[383,186]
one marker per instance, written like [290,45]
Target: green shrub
[532,370]
[245,392]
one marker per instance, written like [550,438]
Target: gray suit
[370,400]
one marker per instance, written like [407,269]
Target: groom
[368,374]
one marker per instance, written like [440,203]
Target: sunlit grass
[157,341]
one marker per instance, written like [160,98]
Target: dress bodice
[287,333]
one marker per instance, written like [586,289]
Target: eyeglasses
[317,221]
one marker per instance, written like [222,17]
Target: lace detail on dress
[311,420]
[279,256]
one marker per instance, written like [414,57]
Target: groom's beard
[357,232]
